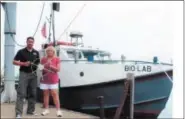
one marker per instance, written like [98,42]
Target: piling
[128,94]
[101,103]
[131,79]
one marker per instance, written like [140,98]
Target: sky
[139,30]
[119,27]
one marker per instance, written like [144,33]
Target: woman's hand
[47,65]
[53,68]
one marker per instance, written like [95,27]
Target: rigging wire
[7,16]
[78,13]
[171,80]
[41,14]
[62,32]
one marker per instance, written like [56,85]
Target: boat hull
[151,95]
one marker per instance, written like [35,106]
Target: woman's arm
[57,68]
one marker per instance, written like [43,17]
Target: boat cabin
[75,51]
[72,53]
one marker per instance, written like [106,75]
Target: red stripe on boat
[148,111]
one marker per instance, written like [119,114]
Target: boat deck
[8,111]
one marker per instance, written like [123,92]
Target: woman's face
[50,53]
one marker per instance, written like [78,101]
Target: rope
[78,13]
[41,68]
[39,19]
[36,27]
[10,28]
[171,80]
[34,71]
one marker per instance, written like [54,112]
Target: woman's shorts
[48,86]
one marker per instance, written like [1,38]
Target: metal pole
[101,103]
[9,93]
[130,77]
[119,110]
[49,38]
[53,21]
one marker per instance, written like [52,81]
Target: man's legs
[32,94]
[21,92]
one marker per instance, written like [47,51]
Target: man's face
[30,43]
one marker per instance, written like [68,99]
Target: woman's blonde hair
[52,49]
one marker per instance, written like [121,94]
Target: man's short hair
[30,38]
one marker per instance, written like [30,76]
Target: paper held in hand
[40,67]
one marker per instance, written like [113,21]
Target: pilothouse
[75,50]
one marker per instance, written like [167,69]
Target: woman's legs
[46,98]
[45,89]
[55,96]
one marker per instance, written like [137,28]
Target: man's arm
[17,59]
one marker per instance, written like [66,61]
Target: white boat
[87,73]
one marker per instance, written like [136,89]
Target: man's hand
[26,63]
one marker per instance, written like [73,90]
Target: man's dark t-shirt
[25,55]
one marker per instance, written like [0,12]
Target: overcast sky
[139,30]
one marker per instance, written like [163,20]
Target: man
[28,59]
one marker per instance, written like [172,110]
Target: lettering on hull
[138,68]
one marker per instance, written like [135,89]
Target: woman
[49,83]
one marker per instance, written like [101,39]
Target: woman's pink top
[49,76]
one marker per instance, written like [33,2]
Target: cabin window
[96,56]
[90,56]
[70,54]
[73,54]
[105,57]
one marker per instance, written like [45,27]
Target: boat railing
[116,61]
[105,62]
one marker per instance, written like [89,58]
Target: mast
[55,7]
[50,17]
[53,26]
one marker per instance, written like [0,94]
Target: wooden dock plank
[8,111]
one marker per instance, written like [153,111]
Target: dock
[8,111]
[124,110]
